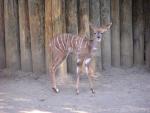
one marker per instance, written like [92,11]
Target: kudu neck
[94,44]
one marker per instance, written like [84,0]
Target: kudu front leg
[78,71]
[89,72]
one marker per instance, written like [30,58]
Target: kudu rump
[62,45]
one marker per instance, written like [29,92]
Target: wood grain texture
[106,42]
[48,32]
[126,33]
[71,27]
[63,11]
[95,20]
[84,18]
[147,31]
[12,34]
[115,33]
[36,19]
[138,32]
[2,36]
[25,39]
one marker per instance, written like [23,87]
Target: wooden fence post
[126,33]
[147,31]
[71,27]
[84,18]
[36,20]
[95,19]
[48,32]
[57,20]
[115,33]
[2,36]
[25,40]
[138,32]
[106,42]
[63,17]
[12,34]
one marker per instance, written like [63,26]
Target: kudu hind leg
[55,63]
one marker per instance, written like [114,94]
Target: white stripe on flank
[62,42]
[54,44]
[72,41]
[67,42]
[77,41]
[59,44]
[81,42]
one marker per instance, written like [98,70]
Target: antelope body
[62,45]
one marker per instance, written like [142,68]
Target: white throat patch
[87,61]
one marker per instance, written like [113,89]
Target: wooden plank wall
[48,31]
[2,36]
[138,32]
[126,33]
[36,19]
[106,41]
[12,45]
[147,31]
[115,30]
[26,27]
[25,38]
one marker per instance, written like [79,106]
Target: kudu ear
[105,28]
[109,25]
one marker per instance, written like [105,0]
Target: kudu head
[98,31]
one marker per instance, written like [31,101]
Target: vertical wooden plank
[126,33]
[84,18]
[106,42]
[95,19]
[147,31]
[58,28]
[12,34]
[138,32]
[63,67]
[48,31]
[36,19]
[115,33]
[63,11]
[25,40]
[2,36]
[71,27]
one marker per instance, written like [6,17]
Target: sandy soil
[117,91]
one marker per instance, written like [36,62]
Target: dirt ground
[117,91]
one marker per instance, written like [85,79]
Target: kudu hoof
[77,91]
[56,90]
[93,91]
